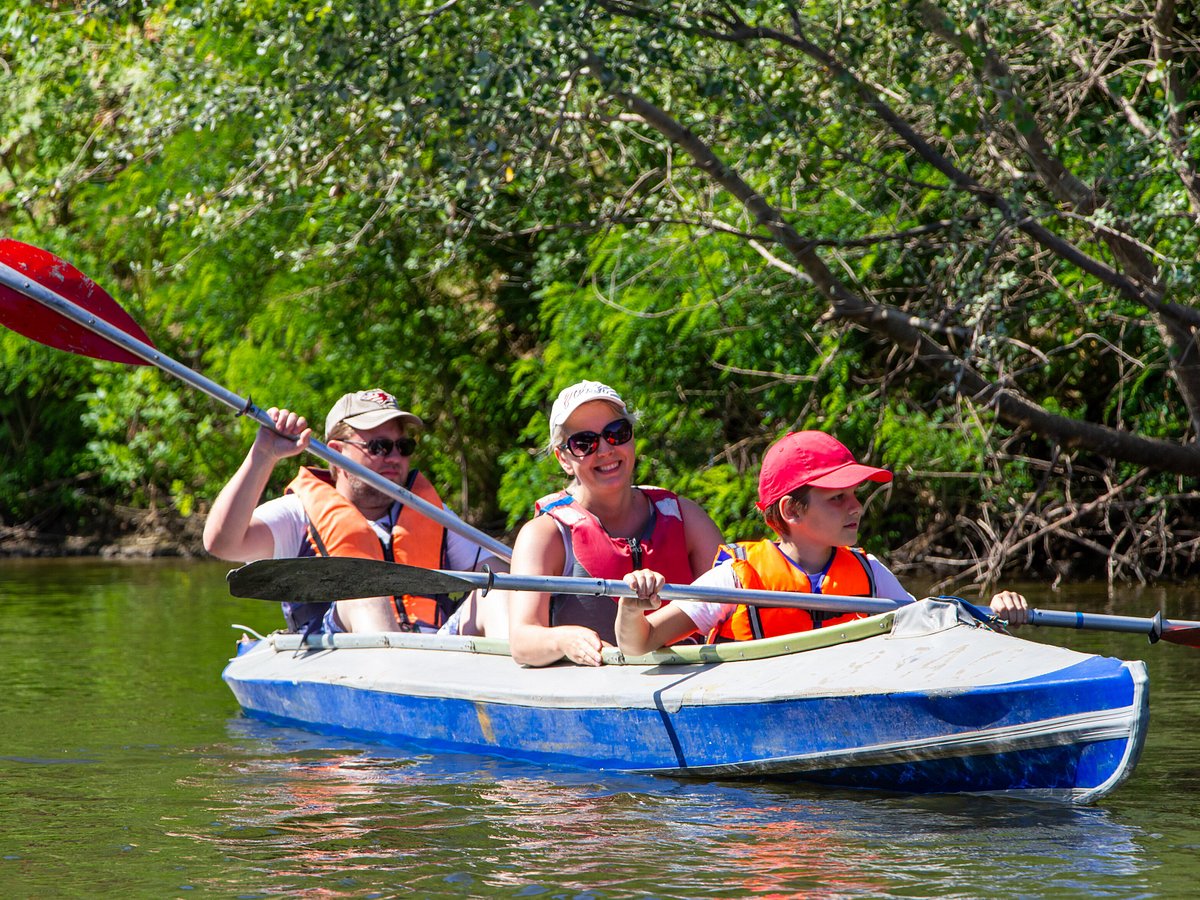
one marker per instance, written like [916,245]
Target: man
[336,513]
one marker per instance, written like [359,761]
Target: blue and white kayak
[921,700]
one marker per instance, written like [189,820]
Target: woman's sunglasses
[584,443]
[383,446]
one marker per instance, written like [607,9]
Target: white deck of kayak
[925,647]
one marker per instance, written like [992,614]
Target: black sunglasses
[383,446]
[584,443]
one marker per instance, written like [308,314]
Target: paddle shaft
[1155,627]
[325,579]
[607,587]
[242,406]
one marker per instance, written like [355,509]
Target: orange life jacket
[337,528]
[761,566]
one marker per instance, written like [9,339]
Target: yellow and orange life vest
[762,566]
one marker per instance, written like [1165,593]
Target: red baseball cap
[814,458]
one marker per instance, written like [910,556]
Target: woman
[601,526]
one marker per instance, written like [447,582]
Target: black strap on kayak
[984,616]
[309,627]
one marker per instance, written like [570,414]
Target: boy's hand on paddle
[647,583]
[1010,606]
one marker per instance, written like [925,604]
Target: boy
[806,490]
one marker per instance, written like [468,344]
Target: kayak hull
[949,710]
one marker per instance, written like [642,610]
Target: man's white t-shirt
[288,522]
[708,614]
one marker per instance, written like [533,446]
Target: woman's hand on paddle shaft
[647,583]
[1011,607]
[581,645]
[290,437]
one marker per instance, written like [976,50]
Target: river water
[127,768]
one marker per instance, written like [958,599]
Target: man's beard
[363,494]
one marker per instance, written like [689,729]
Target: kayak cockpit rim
[856,630]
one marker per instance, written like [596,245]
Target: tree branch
[994,72]
[897,326]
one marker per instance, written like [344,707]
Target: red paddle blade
[1186,633]
[31,318]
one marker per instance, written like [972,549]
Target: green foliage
[42,467]
[455,202]
[147,442]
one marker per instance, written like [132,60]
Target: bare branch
[897,326]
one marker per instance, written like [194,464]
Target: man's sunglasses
[584,443]
[383,446]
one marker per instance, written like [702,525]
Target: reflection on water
[314,815]
[125,767]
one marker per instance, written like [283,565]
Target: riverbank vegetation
[961,237]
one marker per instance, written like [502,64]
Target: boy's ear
[789,509]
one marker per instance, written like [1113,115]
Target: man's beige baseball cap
[369,409]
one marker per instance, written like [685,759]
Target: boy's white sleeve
[886,584]
[707,614]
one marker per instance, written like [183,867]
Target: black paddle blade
[321,579]
[31,318]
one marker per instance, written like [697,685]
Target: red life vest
[761,566]
[337,528]
[662,547]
